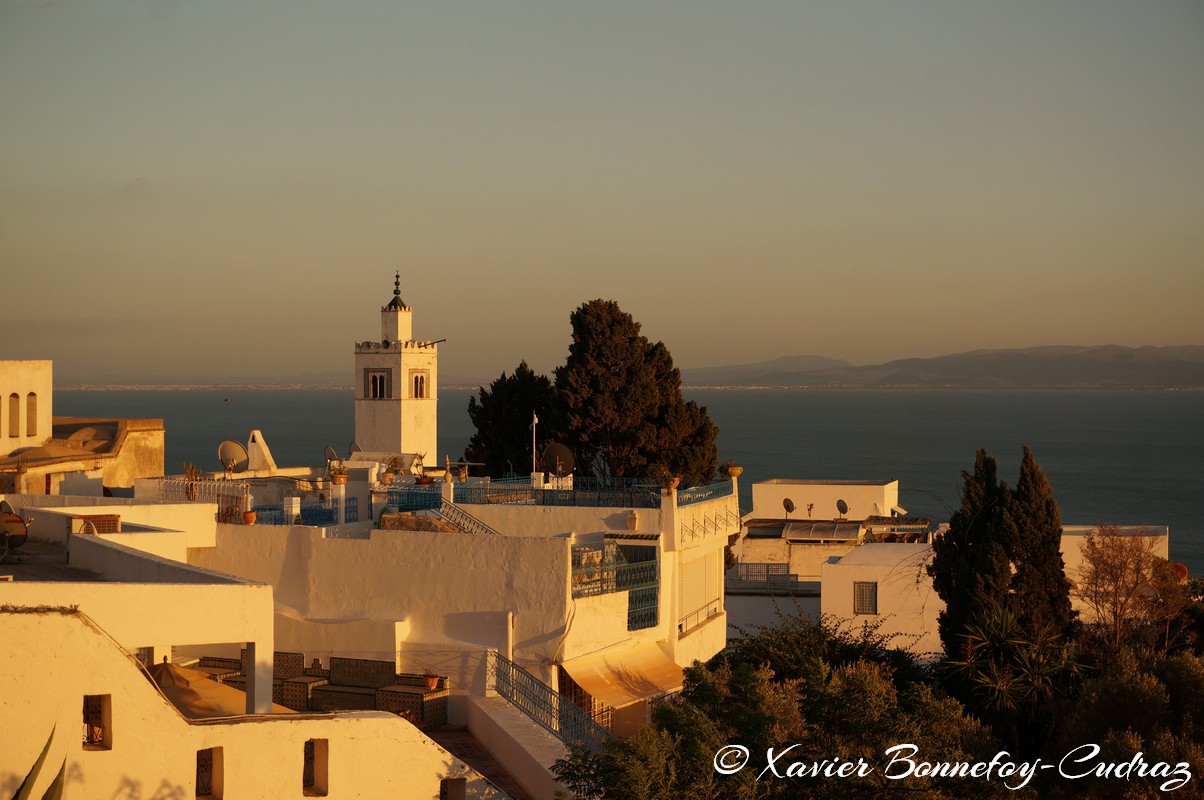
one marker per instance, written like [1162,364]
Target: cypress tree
[624,414]
[1040,589]
[502,417]
[970,568]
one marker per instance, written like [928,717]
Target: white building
[557,609]
[888,585]
[75,640]
[397,387]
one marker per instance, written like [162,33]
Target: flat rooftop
[39,560]
[885,554]
[810,482]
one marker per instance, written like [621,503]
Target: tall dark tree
[970,567]
[1032,523]
[624,414]
[502,417]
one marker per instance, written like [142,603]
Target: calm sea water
[1122,457]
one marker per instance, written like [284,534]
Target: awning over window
[623,677]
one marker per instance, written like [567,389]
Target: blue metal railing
[465,521]
[318,513]
[551,710]
[523,494]
[269,515]
[351,509]
[701,494]
[415,498]
[591,484]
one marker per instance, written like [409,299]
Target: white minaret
[396,387]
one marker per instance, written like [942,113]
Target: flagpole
[534,422]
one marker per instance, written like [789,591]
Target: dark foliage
[502,417]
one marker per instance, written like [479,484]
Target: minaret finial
[396,304]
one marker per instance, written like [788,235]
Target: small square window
[453,789]
[313,774]
[209,773]
[98,722]
[865,597]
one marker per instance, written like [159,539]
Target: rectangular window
[865,597]
[209,773]
[313,774]
[98,722]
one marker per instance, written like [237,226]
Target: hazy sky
[228,187]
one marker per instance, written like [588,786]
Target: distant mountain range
[1058,367]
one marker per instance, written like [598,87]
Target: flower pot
[734,472]
[338,480]
[424,481]
[386,478]
[248,517]
[432,682]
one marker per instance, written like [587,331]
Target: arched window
[419,385]
[378,384]
[14,415]
[31,414]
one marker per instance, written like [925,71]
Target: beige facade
[57,662]
[817,499]
[26,403]
[43,454]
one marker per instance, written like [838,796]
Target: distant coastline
[1053,368]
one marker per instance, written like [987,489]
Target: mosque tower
[396,387]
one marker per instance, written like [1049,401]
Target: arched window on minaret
[14,415]
[31,414]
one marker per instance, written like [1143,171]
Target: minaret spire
[396,304]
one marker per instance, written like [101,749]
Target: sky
[193,188]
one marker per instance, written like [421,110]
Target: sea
[1128,458]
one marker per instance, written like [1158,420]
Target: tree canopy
[502,416]
[616,402]
[1003,547]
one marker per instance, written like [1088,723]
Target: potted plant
[249,517]
[390,472]
[431,677]
[338,474]
[192,477]
[730,469]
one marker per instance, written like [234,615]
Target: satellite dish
[558,459]
[842,507]
[13,532]
[788,504]
[352,449]
[330,454]
[1180,571]
[232,455]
